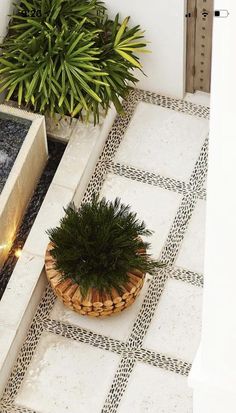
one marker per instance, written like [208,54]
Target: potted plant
[96,260]
[68,57]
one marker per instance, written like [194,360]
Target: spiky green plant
[67,56]
[98,244]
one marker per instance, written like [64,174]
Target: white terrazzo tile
[191,254]
[153,390]
[176,327]
[156,206]
[67,377]
[200,98]
[118,326]
[163,141]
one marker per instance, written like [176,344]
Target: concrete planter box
[23,177]
[60,127]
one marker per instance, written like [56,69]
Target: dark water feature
[13,131]
[56,150]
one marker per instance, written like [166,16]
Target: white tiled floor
[176,326]
[169,140]
[156,206]
[152,390]
[191,254]
[118,326]
[67,377]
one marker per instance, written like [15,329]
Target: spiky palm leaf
[70,58]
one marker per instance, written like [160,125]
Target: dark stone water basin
[13,131]
[56,150]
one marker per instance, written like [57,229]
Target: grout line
[203,194]
[84,336]
[179,105]
[178,229]
[16,409]
[119,347]
[162,361]
[153,179]
[199,173]
[188,276]
[149,178]
[119,385]
[147,310]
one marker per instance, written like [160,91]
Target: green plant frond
[77,110]
[74,44]
[7,63]
[32,85]
[70,77]
[83,102]
[49,26]
[10,92]
[129,38]
[71,58]
[121,30]
[44,74]
[83,84]
[27,4]
[134,49]
[20,93]
[128,57]
[115,27]
[35,24]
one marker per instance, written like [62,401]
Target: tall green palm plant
[68,57]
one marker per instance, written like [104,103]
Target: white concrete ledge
[211,379]
[28,280]
[93,156]
[214,390]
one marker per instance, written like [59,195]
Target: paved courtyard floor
[155,159]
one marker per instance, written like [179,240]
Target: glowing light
[18,253]
[3,246]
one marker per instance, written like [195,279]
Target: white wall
[213,376]
[5,10]
[164,22]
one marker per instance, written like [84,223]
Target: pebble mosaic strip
[148,178]
[132,350]
[119,385]
[151,178]
[187,276]
[84,336]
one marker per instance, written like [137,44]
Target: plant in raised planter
[97,261]
[68,57]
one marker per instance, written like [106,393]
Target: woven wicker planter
[94,304]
